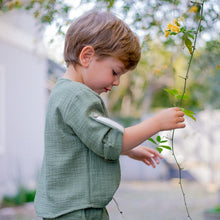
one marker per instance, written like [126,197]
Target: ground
[144,201]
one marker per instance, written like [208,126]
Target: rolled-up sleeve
[112,144]
[86,114]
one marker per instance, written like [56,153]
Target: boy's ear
[86,55]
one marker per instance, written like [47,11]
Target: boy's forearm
[171,118]
[137,134]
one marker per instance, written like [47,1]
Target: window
[2,110]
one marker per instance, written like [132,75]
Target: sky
[55,49]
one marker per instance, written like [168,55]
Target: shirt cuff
[113,144]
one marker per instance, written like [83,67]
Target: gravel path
[161,201]
[143,201]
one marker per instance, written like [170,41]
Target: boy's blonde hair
[107,34]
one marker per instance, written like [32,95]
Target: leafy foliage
[189,113]
[45,11]
[215,210]
[23,195]
[159,143]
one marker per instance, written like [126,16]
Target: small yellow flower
[156,71]
[175,29]
[169,26]
[218,67]
[181,18]
[175,21]
[166,32]
[172,27]
[193,9]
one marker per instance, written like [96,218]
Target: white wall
[2,110]
[25,73]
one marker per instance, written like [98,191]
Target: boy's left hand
[147,155]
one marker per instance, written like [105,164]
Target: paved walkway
[161,201]
[143,201]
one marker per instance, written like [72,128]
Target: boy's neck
[72,73]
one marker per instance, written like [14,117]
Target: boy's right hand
[170,118]
[167,119]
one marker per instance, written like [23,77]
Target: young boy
[80,171]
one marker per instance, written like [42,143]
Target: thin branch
[179,104]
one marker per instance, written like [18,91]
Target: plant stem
[179,104]
[191,57]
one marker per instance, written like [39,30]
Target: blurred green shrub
[22,196]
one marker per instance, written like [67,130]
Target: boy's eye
[114,73]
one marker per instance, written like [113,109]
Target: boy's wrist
[155,121]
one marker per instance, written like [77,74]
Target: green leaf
[126,8]
[186,111]
[110,3]
[46,19]
[159,149]
[164,146]
[172,92]
[182,29]
[158,138]
[190,35]
[184,97]
[164,141]
[173,33]
[201,28]
[188,44]
[189,113]
[66,9]
[152,140]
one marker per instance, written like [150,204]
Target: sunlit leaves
[189,45]
[174,29]
[189,113]
[159,143]
[44,11]
[175,93]
[7,5]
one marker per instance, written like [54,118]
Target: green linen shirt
[80,167]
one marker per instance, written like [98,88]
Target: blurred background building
[24,73]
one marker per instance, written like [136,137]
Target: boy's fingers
[177,108]
[181,125]
[157,160]
[157,154]
[146,161]
[149,162]
[180,114]
[152,163]
[180,119]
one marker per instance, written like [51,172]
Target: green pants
[84,214]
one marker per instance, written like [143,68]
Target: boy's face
[102,75]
